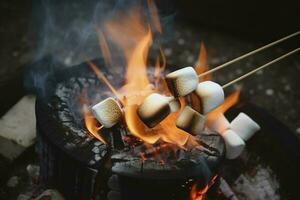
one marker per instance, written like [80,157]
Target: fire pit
[130,128]
[80,166]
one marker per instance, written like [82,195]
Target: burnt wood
[78,165]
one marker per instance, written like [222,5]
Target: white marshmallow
[220,124]
[182,82]
[211,95]
[108,112]
[154,109]
[244,126]
[174,104]
[233,143]
[190,121]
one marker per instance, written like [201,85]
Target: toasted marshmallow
[211,95]
[154,109]
[182,82]
[190,121]
[108,112]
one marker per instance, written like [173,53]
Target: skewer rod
[249,54]
[261,67]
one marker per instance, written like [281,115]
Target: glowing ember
[200,194]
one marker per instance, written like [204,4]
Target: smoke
[67,32]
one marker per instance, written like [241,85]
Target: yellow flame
[130,33]
[91,123]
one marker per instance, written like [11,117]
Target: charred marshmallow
[156,108]
[108,112]
[182,82]
[244,126]
[190,121]
[211,95]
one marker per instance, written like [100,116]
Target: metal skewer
[261,67]
[248,54]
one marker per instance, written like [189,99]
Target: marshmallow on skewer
[173,103]
[211,95]
[182,82]
[244,126]
[108,112]
[190,121]
[234,144]
[155,108]
[220,124]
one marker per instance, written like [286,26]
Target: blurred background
[33,29]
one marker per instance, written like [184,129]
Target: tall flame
[132,34]
[201,64]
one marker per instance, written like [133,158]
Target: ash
[258,186]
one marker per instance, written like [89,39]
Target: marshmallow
[233,143]
[108,112]
[182,82]
[211,95]
[190,121]
[244,126]
[174,104]
[154,109]
[220,124]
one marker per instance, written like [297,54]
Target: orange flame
[197,194]
[104,49]
[101,76]
[91,123]
[201,64]
[154,16]
[200,67]
[132,34]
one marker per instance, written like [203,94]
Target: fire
[201,64]
[100,76]
[92,124]
[200,67]
[131,33]
[200,194]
